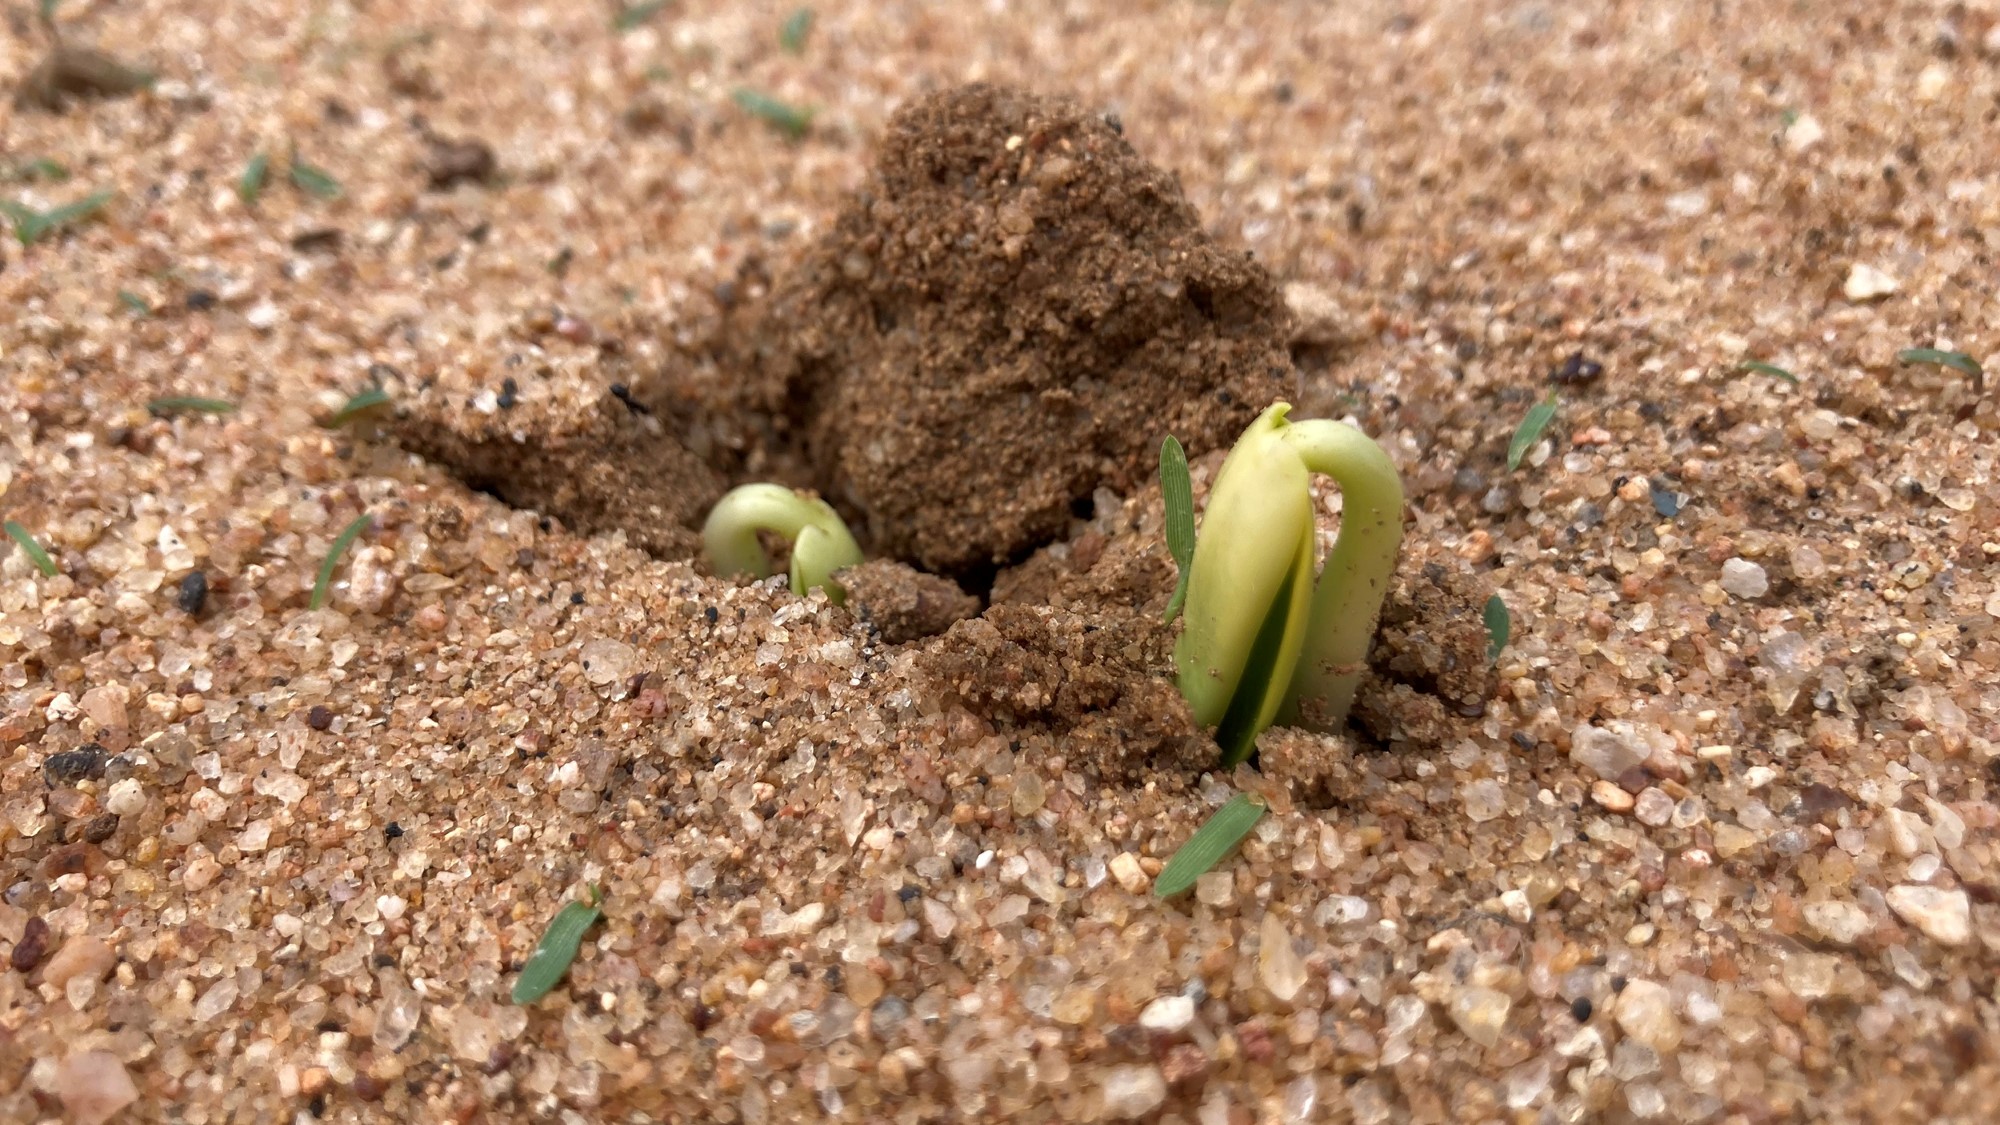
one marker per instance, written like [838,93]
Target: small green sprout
[821,543]
[1957,361]
[788,119]
[1177,491]
[366,404]
[250,184]
[32,549]
[797,26]
[188,404]
[326,568]
[557,950]
[1499,628]
[1263,641]
[1759,367]
[30,225]
[1210,844]
[312,179]
[1530,430]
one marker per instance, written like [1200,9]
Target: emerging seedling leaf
[1957,361]
[188,404]
[250,184]
[1530,430]
[554,954]
[798,25]
[32,549]
[821,543]
[1499,626]
[365,403]
[785,118]
[1771,369]
[31,226]
[1178,491]
[340,544]
[1210,844]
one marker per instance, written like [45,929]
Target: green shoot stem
[1347,602]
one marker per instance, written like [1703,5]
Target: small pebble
[1611,796]
[68,767]
[1168,1015]
[1609,751]
[193,595]
[1645,1011]
[1866,283]
[1480,1013]
[1125,868]
[1132,1091]
[94,1086]
[1944,916]
[1742,578]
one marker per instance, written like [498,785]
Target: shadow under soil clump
[1007,316]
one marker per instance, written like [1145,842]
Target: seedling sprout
[821,543]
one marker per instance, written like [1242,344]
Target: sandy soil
[1718,847]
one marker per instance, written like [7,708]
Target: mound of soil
[1009,314]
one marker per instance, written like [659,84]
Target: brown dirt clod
[596,466]
[1009,314]
[905,604]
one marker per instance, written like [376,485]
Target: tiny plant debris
[633,16]
[1265,640]
[30,225]
[1773,370]
[1178,491]
[312,180]
[557,950]
[250,184]
[1957,361]
[1499,627]
[796,30]
[1530,430]
[135,303]
[1210,844]
[787,119]
[361,405]
[188,404]
[32,549]
[821,543]
[340,544]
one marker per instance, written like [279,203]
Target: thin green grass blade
[333,553]
[798,26]
[788,119]
[250,184]
[637,15]
[1773,370]
[312,179]
[557,950]
[188,404]
[1210,844]
[1957,361]
[1238,731]
[1499,627]
[375,398]
[34,551]
[1178,490]
[1530,430]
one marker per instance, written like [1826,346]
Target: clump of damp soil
[1007,316]
[593,462]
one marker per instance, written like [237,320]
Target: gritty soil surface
[1712,840]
